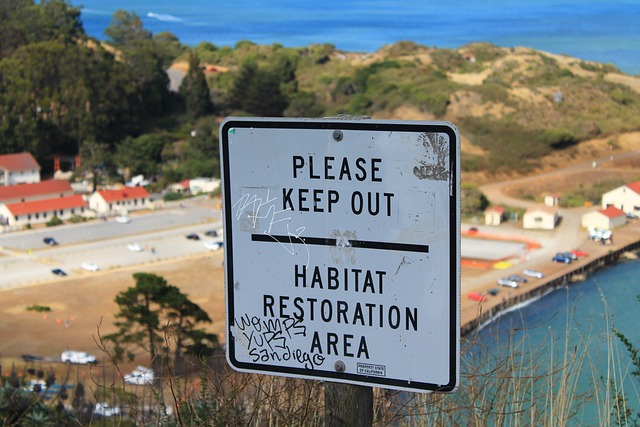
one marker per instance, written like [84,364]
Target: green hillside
[64,93]
[513,105]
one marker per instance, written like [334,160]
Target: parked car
[37,385]
[77,357]
[211,233]
[533,273]
[123,219]
[570,255]
[213,245]
[508,282]
[31,358]
[597,234]
[105,410]
[579,253]
[476,296]
[135,247]
[559,257]
[50,241]
[90,266]
[193,236]
[518,278]
[59,272]
[140,376]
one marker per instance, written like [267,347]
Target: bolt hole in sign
[342,250]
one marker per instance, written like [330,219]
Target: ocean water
[598,30]
[578,317]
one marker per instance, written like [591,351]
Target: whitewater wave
[89,11]
[162,17]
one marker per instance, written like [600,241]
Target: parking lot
[25,258]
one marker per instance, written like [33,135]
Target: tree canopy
[155,318]
[58,88]
[195,91]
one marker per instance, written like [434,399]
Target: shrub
[359,104]
[472,163]
[558,138]
[448,60]
[484,52]
[474,202]
[76,219]
[39,308]
[54,221]
[172,196]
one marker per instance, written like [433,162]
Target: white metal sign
[342,250]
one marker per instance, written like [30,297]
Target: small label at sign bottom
[369,369]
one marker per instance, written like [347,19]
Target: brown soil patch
[184,66]
[84,308]
[404,112]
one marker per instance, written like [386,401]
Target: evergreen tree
[142,155]
[200,157]
[153,310]
[23,22]
[195,91]
[126,29]
[258,92]
[146,60]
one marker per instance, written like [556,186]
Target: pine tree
[195,91]
[152,311]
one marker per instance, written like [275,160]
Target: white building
[181,187]
[42,211]
[119,201]
[19,168]
[604,219]
[541,218]
[552,200]
[626,198]
[203,185]
[494,215]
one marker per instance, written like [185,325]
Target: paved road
[26,259]
[495,194]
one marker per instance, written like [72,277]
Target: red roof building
[605,219]
[48,189]
[625,198]
[19,168]
[612,212]
[41,211]
[119,201]
[634,186]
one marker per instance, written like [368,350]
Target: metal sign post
[342,250]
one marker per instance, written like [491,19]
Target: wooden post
[347,405]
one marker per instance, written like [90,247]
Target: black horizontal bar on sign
[342,243]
